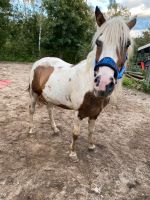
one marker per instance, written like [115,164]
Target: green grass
[138,85]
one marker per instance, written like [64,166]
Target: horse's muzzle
[107,92]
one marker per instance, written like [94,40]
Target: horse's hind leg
[91,128]
[52,121]
[33,98]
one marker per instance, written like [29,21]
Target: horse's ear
[132,23]
[99,16]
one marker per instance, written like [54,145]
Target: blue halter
[109,62]
[121,72]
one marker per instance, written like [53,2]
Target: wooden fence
[138,76]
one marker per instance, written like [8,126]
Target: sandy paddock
[37,166]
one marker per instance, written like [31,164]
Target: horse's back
[47,62]
[51,61]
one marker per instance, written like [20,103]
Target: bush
[138,85]
[146,87]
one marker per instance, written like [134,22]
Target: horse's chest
[91,106]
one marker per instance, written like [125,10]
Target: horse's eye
[128,43]
[98,43]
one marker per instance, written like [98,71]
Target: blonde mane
[115,32]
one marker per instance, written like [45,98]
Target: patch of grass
[127,82]
[138,85]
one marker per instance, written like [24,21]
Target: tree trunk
[39,45]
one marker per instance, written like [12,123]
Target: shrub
[138,85]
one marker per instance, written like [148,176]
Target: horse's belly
[59,97]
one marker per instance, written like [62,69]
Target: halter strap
[121,72]
[109,62]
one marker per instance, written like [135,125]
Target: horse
[87,86]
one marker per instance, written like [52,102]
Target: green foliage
[138,85]
[21,43]
[127,82]
[138,42]
[4,15]
[70,29]
[146,87]
[142,40]
[55,28]
[134,67]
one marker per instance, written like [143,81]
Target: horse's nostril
[110,87]
[111,79]
[97,80]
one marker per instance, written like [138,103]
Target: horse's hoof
[56,131]
[91,147]
[73,156]
[30,130]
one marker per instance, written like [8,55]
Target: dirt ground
[37,166]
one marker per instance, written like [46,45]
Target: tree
[22,38]
[142,40]
[38,12]
[111,3]
[116,9]
[38,28]
[5,7]
[70,28]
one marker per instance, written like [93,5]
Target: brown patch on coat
[121,58]
[92,106]
[99,49]
[41,76]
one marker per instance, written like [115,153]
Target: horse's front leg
[76,132]
[91,128]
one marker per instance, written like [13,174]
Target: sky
[141,8]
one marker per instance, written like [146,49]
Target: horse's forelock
[115,32]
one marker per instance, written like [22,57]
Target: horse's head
[111,43]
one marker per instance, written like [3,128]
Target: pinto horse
[87,86]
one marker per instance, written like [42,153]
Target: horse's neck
[84,76]
[87,66]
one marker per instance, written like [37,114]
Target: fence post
[148,75]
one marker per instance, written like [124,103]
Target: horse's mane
[115,32]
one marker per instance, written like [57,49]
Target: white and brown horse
[87,86]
